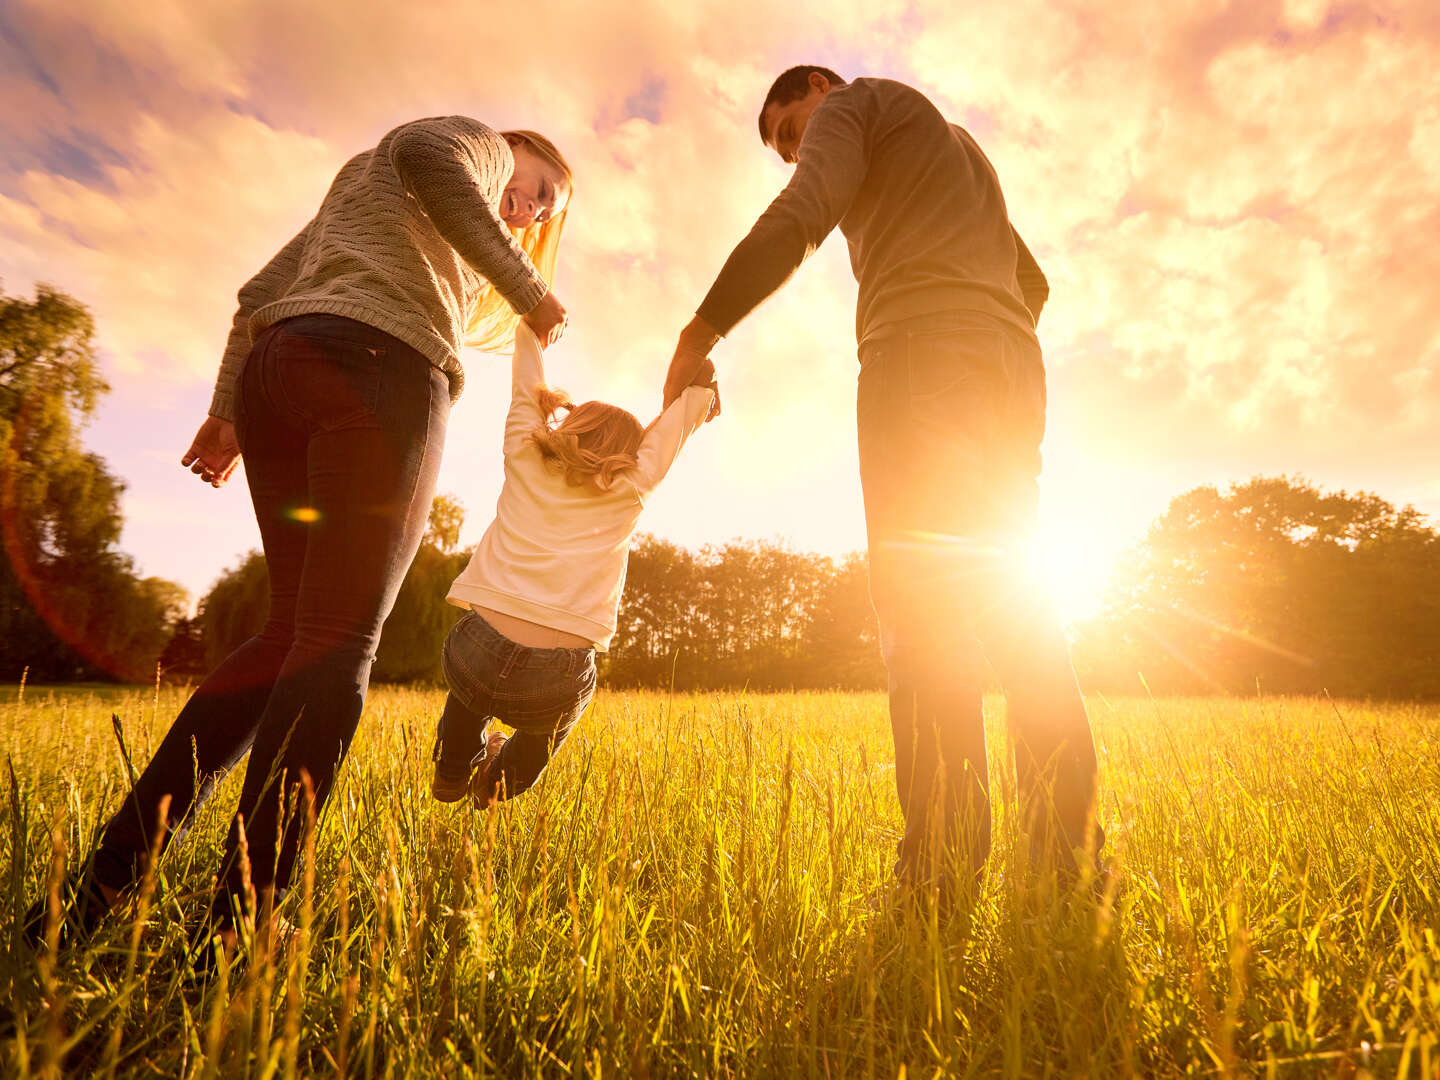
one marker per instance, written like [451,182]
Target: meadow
[700,887]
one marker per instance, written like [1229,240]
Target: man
[951,411]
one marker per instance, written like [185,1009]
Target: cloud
[1234,203]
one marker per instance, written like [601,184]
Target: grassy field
[699,888]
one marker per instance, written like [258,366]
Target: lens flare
[1073,567]
[306,515]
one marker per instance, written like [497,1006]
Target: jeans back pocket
[331,383]
[957,380]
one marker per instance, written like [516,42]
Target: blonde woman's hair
[591,445]
[492,320]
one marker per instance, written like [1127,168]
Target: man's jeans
[539,692]
[341,427]
[951,412]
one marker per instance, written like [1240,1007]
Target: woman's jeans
[951,412]
[539,692]
[341,427]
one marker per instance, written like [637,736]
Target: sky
[1236,204]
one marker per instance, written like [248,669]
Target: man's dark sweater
[918,202]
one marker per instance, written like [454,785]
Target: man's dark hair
[792,85]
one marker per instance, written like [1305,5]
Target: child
[543,586]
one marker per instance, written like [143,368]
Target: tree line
[743,613]
[1270,584]
[1278,586]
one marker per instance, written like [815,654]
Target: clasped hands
[691,365]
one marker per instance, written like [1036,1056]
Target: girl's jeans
[341,427]
[539,692]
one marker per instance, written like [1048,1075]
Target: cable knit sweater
[405,240]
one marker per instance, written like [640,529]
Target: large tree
[71,604]
[1277,584]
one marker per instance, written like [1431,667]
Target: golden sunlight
[1072,563]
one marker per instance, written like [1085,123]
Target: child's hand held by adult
[548,319]
[691,364]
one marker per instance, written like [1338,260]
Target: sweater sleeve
[527,373]
[668,434]
[1033,286]
[449,176]
[831,163]
[269,285]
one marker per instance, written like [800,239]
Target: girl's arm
[269,285]
[527,375]
[449,164]
[668,434]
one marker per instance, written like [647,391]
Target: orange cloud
[1235,205]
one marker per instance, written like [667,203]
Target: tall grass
[699,887]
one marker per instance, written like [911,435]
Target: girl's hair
[492,319]
[591,445]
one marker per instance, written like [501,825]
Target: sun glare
[1073,564]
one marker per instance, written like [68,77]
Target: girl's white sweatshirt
[555,554]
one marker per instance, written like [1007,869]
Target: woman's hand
[548,319]
[214,453]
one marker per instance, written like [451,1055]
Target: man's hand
[548,319]
[214,453]
[691,364]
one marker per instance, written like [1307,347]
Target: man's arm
[830,165]
[1033,286]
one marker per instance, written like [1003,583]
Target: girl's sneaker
[451,779]
[486,783]
[450,783]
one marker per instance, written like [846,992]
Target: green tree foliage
[1276,583]
[235,608]
[447,517]
[753,613]
[1270,582]
[71,604]
[184,657]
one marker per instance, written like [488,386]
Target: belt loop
[514,654]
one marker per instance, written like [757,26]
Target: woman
[445,232]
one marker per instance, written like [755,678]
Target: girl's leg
[469,661]
[523,758]
[376,412]
[525,754]
[459,741]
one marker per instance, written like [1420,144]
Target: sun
[1073,564]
